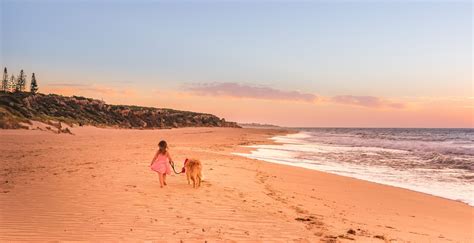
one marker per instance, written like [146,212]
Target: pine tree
[11,84]
[34,84]
[21,82]
[5,80]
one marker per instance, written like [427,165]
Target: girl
[161,162]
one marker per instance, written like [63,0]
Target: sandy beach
[96,185]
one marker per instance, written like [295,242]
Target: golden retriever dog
[193,168]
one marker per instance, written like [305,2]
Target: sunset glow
[410,68]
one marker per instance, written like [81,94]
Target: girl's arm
[169,157]
[153,160]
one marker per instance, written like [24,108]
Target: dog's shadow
[184,185]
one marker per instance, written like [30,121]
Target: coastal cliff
[19,108]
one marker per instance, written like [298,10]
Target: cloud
[67,85]
[248,91]
[88,89]
[365,101]
[267,93]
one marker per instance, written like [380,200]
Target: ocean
[439,162]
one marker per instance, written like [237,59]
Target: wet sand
[96,185]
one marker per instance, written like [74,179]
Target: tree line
[18,84]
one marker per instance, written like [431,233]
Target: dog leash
[174,170]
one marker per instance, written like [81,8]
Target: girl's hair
[163,147]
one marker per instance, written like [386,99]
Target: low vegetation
[19,107]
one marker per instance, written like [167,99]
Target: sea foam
[441,166]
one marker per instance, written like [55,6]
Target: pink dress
[161,164]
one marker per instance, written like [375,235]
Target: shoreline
[378,183]
[241,199]
[273,141]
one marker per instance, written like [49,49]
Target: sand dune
[96,185]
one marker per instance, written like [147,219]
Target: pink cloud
[248,91]
[67,85]
[78,89]
[366,101]
[267,93]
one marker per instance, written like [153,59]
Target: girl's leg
[161,179]
[164,179]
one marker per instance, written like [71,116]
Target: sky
[392,63]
